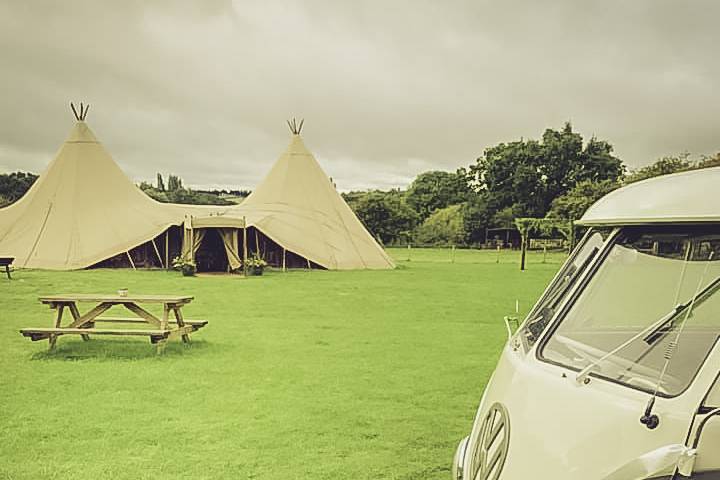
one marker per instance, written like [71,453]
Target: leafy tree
[708,162]
[672,164]
[527,175]
[435,190]
[476,218]
[385,214]
[14,185]
[599,163]
[509,174]
[503,218]
[445,226]
[573,204]
[663,166]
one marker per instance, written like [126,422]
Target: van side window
[545,309]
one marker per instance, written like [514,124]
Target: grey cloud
[388,89]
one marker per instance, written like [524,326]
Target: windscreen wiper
[657,328]
[668,320]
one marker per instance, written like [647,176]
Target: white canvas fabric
[298,207]
[82,209]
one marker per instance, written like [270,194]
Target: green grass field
[317,375]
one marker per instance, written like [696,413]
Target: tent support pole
[257,244]
[245,269]
[167,250]
[308,264]
[127,252]
[157,252]
[284,270]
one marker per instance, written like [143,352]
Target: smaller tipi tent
[81,210]
[298,207]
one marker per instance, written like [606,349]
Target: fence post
[452,254]
[497,260]
[408,259]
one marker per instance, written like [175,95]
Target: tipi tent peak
[80,117]
[295,127]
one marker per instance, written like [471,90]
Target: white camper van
[614,373]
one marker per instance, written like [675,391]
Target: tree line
[555,178]
[175,192]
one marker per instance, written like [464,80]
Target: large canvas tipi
[81,210]
[298,207]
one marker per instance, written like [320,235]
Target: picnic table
[161,329]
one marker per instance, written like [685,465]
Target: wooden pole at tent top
[245,251]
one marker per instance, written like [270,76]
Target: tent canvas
[81,210]
[298,207]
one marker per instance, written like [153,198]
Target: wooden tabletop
[102,298]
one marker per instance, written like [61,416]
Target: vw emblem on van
[491,446]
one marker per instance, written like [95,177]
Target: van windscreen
[657,291]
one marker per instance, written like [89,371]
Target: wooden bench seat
[36,334]
[196,324]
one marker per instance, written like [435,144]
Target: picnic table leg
[52,338]
[181,323]
[163,326]
[76,314]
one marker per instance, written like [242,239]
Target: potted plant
[184,265]
[256,265]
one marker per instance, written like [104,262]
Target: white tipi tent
[81,210]
[298,207]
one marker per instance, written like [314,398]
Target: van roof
[686,197]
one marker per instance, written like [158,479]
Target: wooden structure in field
[161,328]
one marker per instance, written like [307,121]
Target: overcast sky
[387,89]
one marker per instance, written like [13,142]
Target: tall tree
[527,175]
[385,214]
[174,183]
[160,182]
[436,189]
[443,227]
[476,218]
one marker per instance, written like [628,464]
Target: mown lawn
[318,375]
